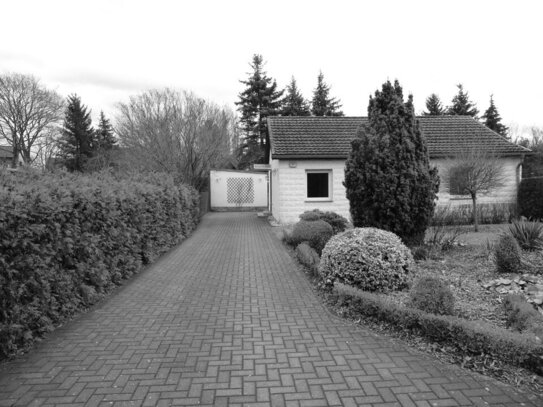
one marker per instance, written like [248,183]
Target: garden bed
[469,269]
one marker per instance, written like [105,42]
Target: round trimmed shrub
[366,258]
[316,233]
[430,294]
[507,254]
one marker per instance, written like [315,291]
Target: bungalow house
[307,160]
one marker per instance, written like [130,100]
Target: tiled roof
[330,137]
[6,152]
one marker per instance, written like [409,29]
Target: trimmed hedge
[471,337]
[316,233]
[338,222]
[66,239]
[530,198]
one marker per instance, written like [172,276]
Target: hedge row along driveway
[227,318]
[67,239]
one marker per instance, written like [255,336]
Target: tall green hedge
[66,239]
[530,198]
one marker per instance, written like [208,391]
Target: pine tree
[388,179]
[492,119]
[434,106]
[461,105]
[104,138]
[322,104]
[76,144]
[294,104]
[259,100]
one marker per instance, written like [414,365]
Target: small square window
[318,185]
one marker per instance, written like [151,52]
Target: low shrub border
[67,239]
[472,338]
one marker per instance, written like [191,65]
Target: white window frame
[329,198]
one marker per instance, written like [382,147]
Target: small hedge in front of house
[67,239]
[470,337]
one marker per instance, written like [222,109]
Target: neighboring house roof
[6,152]
[330,137]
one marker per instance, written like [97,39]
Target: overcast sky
[106,51]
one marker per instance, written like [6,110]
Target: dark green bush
[307,256]
[420,253]
[507,254]
[316,233]
[430,294]
[529,235]
[521,315]
[470,337]
[338,222]
[66,239]
[530,198]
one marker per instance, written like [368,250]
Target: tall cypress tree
[104,138]
[492,119]
[461,105]
[434,106]
[294,104]
[76,144]
[259,100]
[388,179]
[322,104]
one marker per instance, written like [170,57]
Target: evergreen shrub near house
[338,222]
[473,338]
[367,258]
[316,233]
[507,254]
[530,198]
[388,179]
[431,294]
[66,239]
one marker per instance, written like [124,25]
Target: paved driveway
[227,319]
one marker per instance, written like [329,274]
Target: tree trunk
[15,158]
[475,216]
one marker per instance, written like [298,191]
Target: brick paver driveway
[227,319]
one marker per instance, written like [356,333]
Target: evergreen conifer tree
[388,179]
[294,104]
[76,144]
[259,100]
[104,138]
[492,119]
[434,106]
[322,104]
[461,105]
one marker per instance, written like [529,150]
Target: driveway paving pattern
[228,319]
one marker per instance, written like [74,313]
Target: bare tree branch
[176,132]
[27,112]
[473,172]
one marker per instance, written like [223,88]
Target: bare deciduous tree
[176,132]
[28,111]
[474,172]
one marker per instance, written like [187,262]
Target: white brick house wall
[289,187]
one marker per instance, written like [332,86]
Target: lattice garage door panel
[240,191]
